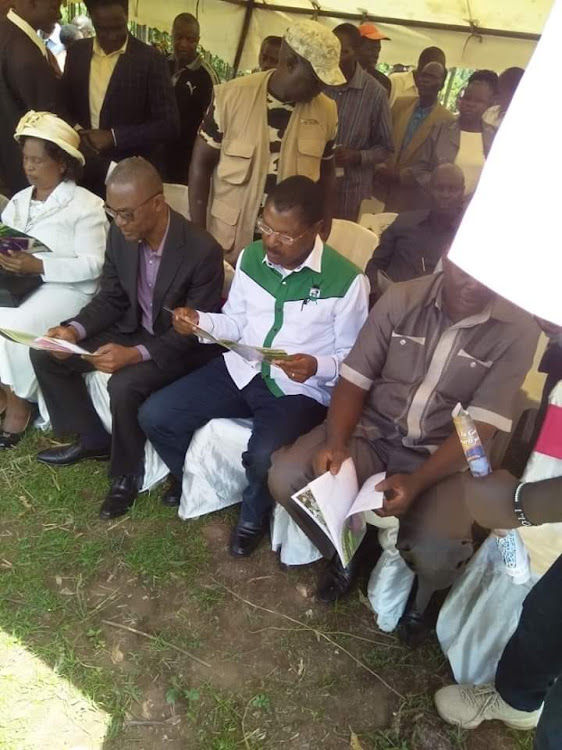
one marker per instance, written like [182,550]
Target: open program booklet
[12,239]
[338,506]
[45,343]
[249,353]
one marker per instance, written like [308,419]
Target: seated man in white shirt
[290,292]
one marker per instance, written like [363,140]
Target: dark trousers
[530,670]
[171,416]
[71,409]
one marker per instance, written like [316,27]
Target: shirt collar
[160,248]
[496,308]
[313,261]
[100,53]
[357,80]
[28,30]
[195,65]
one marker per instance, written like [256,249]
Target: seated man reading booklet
[290,292]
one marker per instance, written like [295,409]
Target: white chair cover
[377,223]
[354,242]
[177,197]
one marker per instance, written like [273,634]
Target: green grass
[63,572]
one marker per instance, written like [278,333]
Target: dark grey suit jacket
[191,274]
[27,81]
[442,147]
[139,106]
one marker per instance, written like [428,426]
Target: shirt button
[402,342]
[284,283]
[473,364]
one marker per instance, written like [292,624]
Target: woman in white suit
[71,223]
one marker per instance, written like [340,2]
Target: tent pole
[470,30]
[243,34]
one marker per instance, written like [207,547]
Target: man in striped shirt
[290,292]
[365,127]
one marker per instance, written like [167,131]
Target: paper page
[44,343]
[368,498]
[16,241]
[58,345]
[247,352]
[335,496]
[306,500]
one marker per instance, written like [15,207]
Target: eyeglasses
[127,214]
[285,239]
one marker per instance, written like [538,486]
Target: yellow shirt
[101,70]
[28,31]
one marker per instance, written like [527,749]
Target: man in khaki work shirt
[263,128]
[427,345]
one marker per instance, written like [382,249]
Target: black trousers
[530,670]
[71,409]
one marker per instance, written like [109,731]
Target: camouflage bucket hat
[320,47]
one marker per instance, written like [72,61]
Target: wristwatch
[517,509]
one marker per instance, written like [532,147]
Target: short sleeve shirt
[417,365]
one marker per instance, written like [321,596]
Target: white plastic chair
[354,242]
[177,198]
[377,223]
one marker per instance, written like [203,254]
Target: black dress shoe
[414,628]
[66,455]
[121,496]
[171,498]
[336,580]
[246,537]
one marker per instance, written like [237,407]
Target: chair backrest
[3,202]
[177,198]
[377,223]
[354,242]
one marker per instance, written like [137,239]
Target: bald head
[135,199]
[430,80]
[447,189]
[137,172]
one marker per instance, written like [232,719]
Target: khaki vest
[238,182]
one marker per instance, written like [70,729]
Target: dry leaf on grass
[354,743]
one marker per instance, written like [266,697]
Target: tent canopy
[473,33]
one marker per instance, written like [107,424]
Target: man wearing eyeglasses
[155,261]
[290,292]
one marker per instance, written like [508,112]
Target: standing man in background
[413,118]
[269,53]
[118,90]
[27,79]
[193,80]
[262,129]
[369,53]
[364,128]
[404,84]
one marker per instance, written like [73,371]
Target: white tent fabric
[509,237]
[221,25]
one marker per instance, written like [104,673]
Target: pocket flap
[242,149]
[311,147]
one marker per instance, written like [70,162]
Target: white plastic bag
[391,581]
[480,615]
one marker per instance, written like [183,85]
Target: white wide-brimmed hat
[49,127]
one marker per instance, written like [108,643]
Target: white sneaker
[467,706]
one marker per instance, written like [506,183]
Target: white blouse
[72,224]
[471,159]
